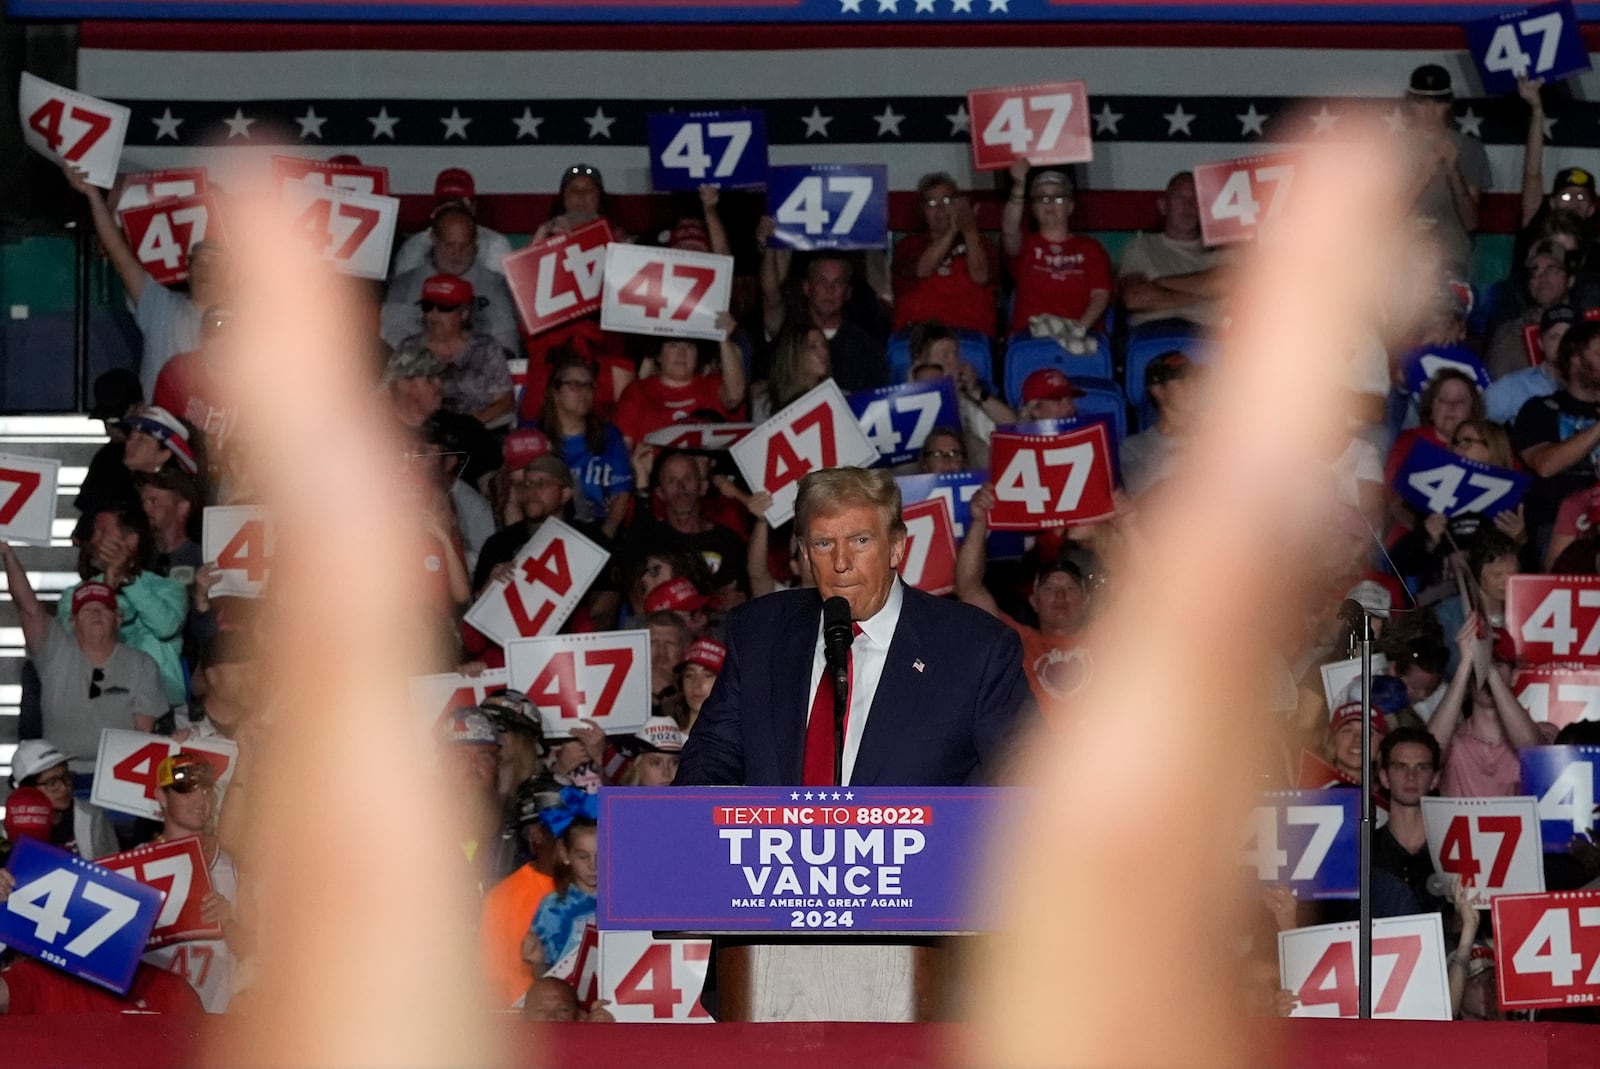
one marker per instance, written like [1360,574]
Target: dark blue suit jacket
[948,724]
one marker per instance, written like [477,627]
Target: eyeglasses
[581,385]
[97,677]
[1050,200]
[938,202]
[583,169]
[61,779]
[430,306]
[946,454]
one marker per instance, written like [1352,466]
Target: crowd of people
[143,643]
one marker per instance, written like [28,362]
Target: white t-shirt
[493,248]
[206,963]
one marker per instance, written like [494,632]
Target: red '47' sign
[163,233]
[1558,695]
[239,540]
[352,231]
[27,498]
[1408,969]
[356,177]
[648,979]
[1489,844]
[549,576]
[816,431]
[672,292]
[558,279]
[930,560]
[1547,949]
[73,127]
[125,768]
[1554,618]
[1237,196]
[1055,477]
[602,676]
[1046,123]
[178,870]
[146,187]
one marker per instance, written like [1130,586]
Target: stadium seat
[1026,355]
[1102,397]
[1143,350]
[899,354]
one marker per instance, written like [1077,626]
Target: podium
[831,981]
[824,905]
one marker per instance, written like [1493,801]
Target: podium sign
[838,860]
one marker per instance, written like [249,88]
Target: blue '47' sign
[85,920]
[1434,479]
[898,419]
[1562,779]
[829,206]
[1539,42]
[717,148]
[1306,840]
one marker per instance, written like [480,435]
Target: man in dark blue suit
[936,688]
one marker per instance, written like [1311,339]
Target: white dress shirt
[868,654]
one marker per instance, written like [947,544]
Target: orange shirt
[508,911]
[1055,664]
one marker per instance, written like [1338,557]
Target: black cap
[1431,80]
[114,393]
[1572,176]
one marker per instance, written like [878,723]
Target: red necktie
[816,768]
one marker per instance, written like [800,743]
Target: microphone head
[835,613]
[1352,612]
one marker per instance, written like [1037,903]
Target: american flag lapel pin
[918,665]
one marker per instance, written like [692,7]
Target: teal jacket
[153,611]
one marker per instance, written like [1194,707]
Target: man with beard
[455,248]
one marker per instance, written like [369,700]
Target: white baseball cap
[34,756]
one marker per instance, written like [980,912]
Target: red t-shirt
[1057,277]
[37,990]
[603,350]
[184,389]
[948,295]
[650,404]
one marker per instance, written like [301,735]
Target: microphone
[837,634]
[1352,613]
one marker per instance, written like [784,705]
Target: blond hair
[832,489]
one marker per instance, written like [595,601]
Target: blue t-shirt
[597,476]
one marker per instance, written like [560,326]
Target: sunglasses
[431,306]
[186,779]
[97,677]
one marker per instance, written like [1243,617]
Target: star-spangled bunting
[403,122]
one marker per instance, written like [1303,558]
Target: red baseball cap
[1351,711]
[522,447]
[676,595]
[28,814]
[455,183]
[708,653]
[447,289]
[93,592]
[1048,384]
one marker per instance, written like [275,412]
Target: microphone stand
[1360,622]
[841,703]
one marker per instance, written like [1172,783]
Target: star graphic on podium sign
[794,795]
[167,125]
[808,796]
[961,7]
[924,7]
[849,7]
[888,5]
[849,795]
[999,5]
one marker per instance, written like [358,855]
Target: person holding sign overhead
[1056,271]
[1451,169]
[678,389]
[169,321]
[935,690]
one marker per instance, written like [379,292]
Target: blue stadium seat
[1102,397]
[974,350]
[1026,355]
[1141,351]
